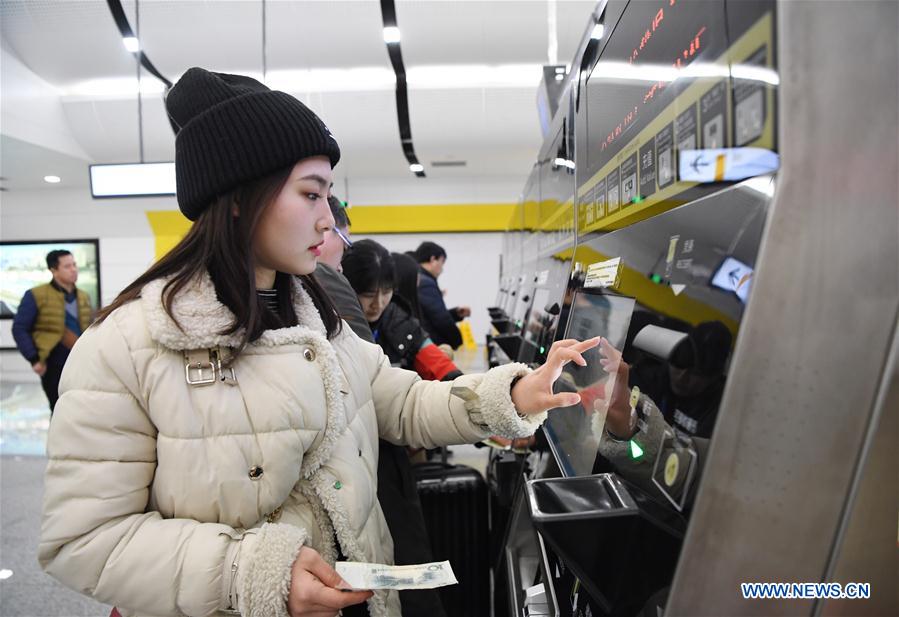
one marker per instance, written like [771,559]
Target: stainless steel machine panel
[811,354]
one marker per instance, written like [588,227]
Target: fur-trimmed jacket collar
[202,318]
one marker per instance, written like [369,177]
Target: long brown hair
[221,244]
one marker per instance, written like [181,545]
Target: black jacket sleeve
[436,319]
[23,326]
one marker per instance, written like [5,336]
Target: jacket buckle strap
[226,373]
[199,368]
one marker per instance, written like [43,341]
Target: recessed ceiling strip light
[121,20]
[392,40]
[133,179]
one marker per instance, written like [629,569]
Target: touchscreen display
[572,432]
[534,325]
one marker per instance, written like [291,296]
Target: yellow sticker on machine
[604,274]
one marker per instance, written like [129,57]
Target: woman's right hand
[315,588]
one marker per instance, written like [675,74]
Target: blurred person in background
[328,271]
[371,270]
[337,240]
[436,319]
[408,275]
[50,319]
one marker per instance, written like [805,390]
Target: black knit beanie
[231,129]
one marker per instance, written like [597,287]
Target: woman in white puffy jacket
[214,449]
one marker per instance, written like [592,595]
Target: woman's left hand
[533,393]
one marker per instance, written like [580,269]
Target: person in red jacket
[370,269]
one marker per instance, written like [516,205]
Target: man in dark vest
[50,319]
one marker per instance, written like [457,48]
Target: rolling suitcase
[454,503]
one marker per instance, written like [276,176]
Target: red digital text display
[684,57]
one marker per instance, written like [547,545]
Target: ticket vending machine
[661,249]
[718,244]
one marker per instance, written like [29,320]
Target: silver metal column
[813,347]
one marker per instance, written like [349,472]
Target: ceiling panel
[494,128]
[65,42]
[487,31]
[490,116]
[23,166]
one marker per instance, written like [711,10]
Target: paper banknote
[379,576]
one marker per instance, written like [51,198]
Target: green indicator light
[542,349]
[655,278]
[636,450]
[637,199]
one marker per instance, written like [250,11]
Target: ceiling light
[455,76]
[52,179]
[113,87]
[132,180]
[560,70]
[131,44]
[416,167]
[353,79]
[560,77]
[356,79]
[391,34]
[598,31]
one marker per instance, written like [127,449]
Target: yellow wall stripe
[431,218]
[168,226]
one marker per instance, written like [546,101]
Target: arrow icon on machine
[699,162]
[734,276]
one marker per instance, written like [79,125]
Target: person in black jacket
[407,275]
[436,319]
[370,269]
